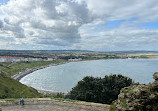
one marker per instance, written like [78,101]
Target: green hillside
[10,69]
[10,88]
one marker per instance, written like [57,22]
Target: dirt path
[42,108]
[53,105]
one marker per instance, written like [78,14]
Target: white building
[74,60]
[11,59]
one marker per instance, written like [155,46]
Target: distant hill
[133,52]
[43,51]
[74,51]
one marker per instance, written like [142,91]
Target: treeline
[90,57]
[99,90]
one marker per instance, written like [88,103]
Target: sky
[97,25]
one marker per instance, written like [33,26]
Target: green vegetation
[10,88]
[100,90]
[21,66]
[138,96]
[58,95]
[90,56]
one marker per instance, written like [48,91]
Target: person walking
[21,101]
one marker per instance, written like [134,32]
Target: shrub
[100,90]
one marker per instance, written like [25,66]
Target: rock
[155,76]
[138,97]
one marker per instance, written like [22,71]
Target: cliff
[138,97]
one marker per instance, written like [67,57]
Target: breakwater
[30,70]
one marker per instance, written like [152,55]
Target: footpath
[47,104]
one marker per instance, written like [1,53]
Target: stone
[138,97]
[155,76]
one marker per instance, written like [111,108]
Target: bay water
[63,78]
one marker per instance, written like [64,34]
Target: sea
[62,78]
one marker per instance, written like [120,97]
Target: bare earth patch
[53,105]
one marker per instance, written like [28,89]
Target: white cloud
[60,23]
[120,39]
[124,9]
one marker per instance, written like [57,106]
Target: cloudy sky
[101,25]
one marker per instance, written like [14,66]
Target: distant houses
[29,59]
[22,59]
[74,60]
[11,59]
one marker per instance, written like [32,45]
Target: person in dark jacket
[21,101]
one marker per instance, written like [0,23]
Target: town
[70,55]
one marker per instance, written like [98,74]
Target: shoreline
[27,71]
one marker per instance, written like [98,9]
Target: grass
[10,88]
[21,66]
[59,97]
[10,99]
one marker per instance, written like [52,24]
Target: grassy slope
[10,88]
[21,66]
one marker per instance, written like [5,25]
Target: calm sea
[63,77]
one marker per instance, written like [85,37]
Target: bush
[100,90]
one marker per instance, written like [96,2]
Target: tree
[100,90]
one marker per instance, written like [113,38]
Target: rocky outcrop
[138,97]
[155,76]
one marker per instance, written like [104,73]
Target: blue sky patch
[150,25]
[114,24]
[3,2]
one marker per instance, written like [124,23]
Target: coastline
[27,71]
[30,70]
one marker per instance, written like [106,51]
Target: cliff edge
[138,97]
